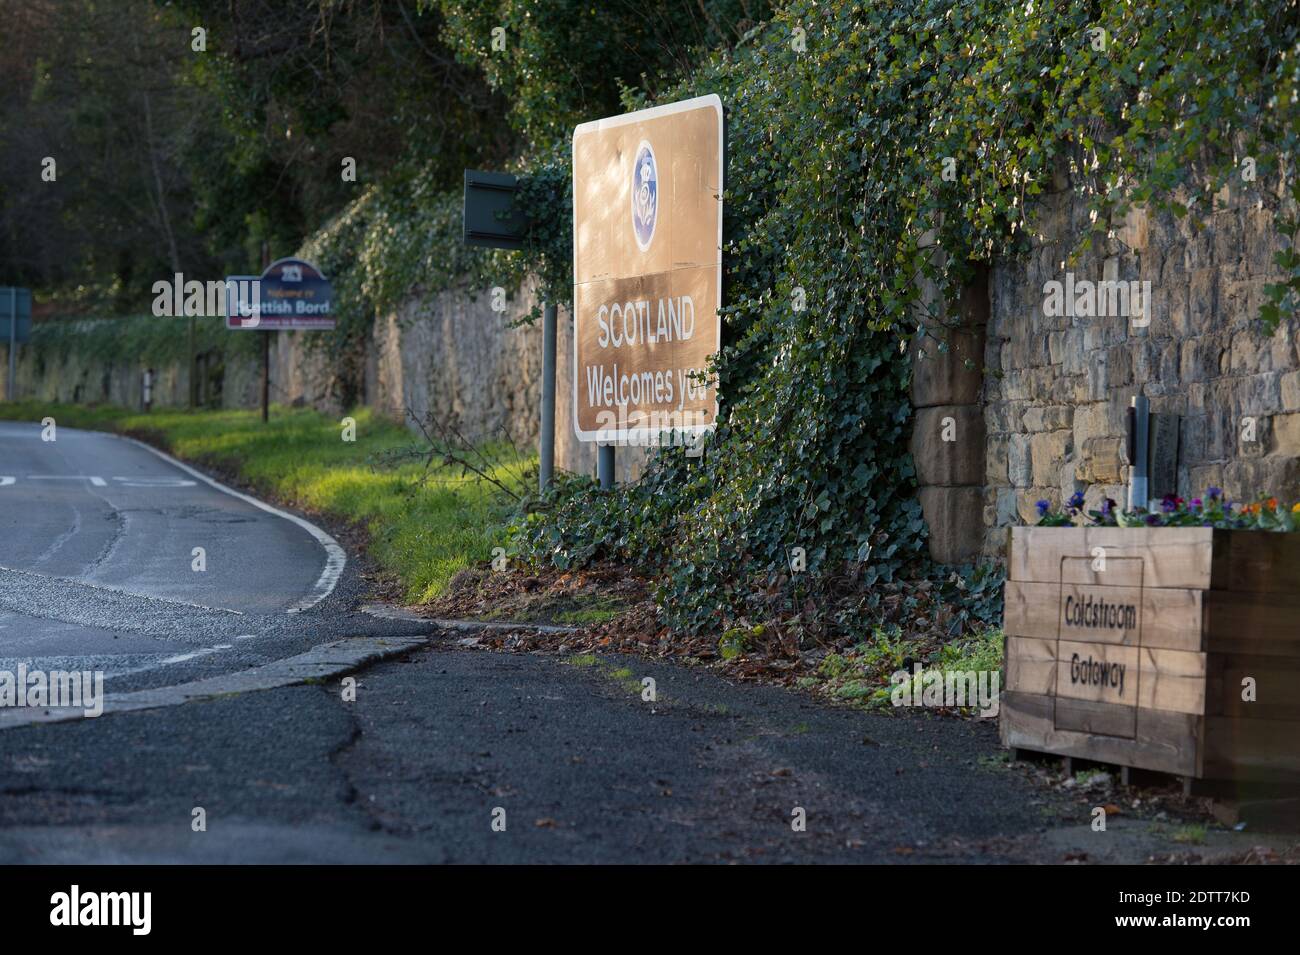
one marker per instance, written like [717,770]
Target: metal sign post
[491,221]
[13,342]
[546,465]
[18,302]
[290,294]
[266,348]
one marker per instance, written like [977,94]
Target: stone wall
[1056,388]
[82,379]
[448,354]
[1035,403]
[947,441]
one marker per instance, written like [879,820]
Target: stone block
[948,370]
[1289,385]
[1202,301]
[1248,479]
[1006,506]
[1099,419]
[948,445]
[1047,452]
[1027,502]
[954,516]
[1199,358]
[1286,434]
[1047,418]
[1019,471]
[1101,460]
[996,461]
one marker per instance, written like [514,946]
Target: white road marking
[96,481]
[201,652]
[335,558]
[154,482]
[6,481]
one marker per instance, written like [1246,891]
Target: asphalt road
[96,549]
[98,538]
[439,743]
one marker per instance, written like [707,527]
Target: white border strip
[335,558]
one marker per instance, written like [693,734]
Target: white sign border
[646,436]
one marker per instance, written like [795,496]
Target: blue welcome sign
[290,294]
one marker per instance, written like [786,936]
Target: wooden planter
[1142,663]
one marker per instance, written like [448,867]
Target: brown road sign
[647,271]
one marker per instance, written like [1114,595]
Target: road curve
[118,558]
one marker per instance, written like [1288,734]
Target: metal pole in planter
[1138,436]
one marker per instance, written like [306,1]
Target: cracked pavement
[586,771]
[96,536]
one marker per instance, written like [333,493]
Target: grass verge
[421,533]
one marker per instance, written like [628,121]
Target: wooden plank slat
[1029,609]
[1031,665]
[1276,690]
[1104,719]
[1100,672]
[1168,619]
[1164,742]
[1258,562]
[1263,624]
[1171,680]
[1180,557]
[1254,750]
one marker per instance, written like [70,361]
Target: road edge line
[336,558]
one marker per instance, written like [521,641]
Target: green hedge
[842,119]
[836,162]
[135,338]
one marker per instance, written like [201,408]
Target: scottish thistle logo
[645,195]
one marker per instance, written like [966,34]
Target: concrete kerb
[323,662]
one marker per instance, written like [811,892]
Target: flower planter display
[1174,649]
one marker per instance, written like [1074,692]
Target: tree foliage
[837,148]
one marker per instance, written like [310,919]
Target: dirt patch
[585,598]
